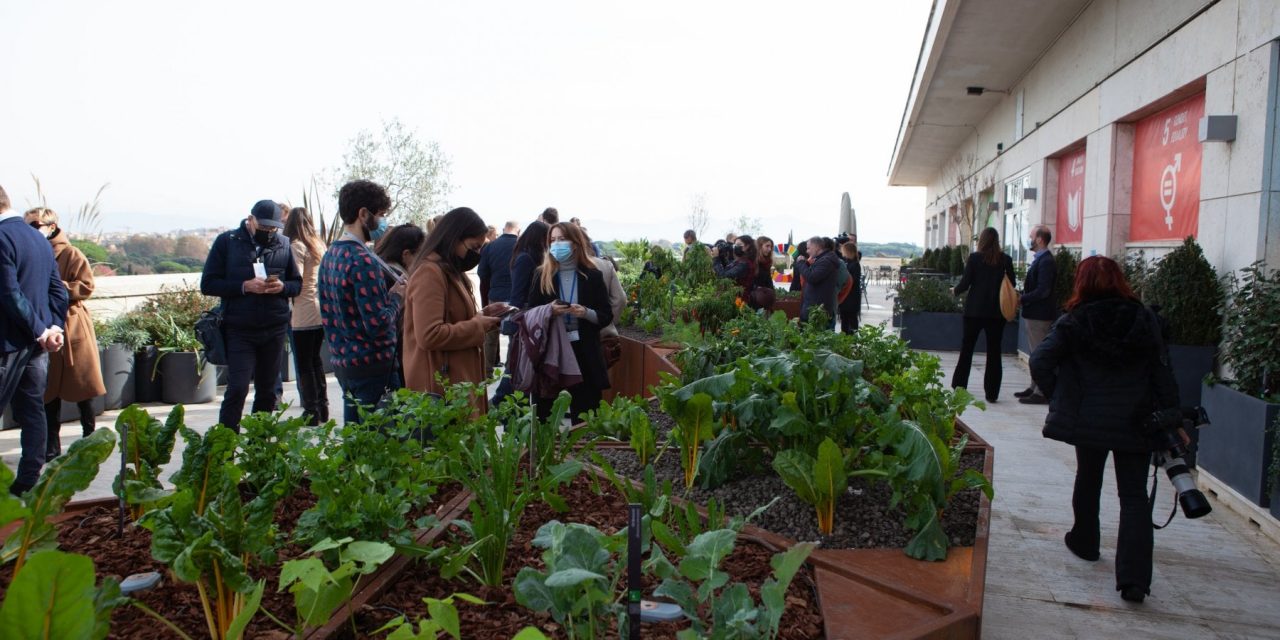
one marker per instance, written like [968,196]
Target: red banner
[1166,173]
[1070,198]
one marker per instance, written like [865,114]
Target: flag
[791,245]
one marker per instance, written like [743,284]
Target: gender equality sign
[1071,198]
[1166,173]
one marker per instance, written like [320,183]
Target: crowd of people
[396,308]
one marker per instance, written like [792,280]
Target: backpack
[844,282]
[209,333]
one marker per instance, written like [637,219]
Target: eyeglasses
[37,225]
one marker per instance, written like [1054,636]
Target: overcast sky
[614,112]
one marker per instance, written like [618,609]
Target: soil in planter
[636,333]
[502,617]
[862,518]
[94,534]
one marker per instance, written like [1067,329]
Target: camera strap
[1155,482]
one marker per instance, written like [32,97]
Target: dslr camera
[1166,431]
[723,251]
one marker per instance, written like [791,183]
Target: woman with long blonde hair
[569,281]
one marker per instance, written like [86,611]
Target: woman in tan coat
[443,331]
[75,374]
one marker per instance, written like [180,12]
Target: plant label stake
[124,459]
[635,590]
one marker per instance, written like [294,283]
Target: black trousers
[313,388]
[25,373]
[252,355]
[53,421]
[1136,539]
[994,328]
[849,313]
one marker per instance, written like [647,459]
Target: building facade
[1107,120]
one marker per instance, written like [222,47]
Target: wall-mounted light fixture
[999,148]
[977,91]
[1029,193]
[994,207]
[1217,128]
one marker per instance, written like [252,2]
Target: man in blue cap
[252,269]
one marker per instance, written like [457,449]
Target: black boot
[53,424]
[87,424]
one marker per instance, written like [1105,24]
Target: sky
[617,113]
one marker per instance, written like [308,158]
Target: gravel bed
[863,519]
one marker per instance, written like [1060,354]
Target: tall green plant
[1252,332]
[1187,289]
[1065,263]
[148,445]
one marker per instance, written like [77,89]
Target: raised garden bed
[606,510]
[931,331]
[90,527]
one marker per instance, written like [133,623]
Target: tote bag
[1008,300]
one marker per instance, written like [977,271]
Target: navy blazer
[230,264]
[495,268]
[1038,301]
[32,295]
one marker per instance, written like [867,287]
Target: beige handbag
[1008,300]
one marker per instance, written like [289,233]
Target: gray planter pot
[71,413]
[945,332]
[184,381]
[1190,366]
[118,375]
[148,385]
[1236,448]
[1024,342]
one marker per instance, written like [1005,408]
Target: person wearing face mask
[570,282]
[443,332]
[74,372]
[357,307]
[1039,304]
[252,269]
[743,267]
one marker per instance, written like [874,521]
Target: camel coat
[442,328]
[74,370]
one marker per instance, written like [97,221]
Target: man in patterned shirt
[356,307]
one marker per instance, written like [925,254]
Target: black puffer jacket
[1106,368]
[230,264]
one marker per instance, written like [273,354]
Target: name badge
[573,336]
[260,270]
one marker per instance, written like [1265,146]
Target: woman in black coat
[743,268]
[983,274]
[1105,368]
[569,275]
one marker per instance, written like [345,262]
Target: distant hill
[890,249]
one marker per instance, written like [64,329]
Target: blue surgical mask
[561,250]
[378,231]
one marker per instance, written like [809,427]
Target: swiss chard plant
[54,596]
[208,536]
[715,608]
[820,480]
[624,419]
[272,450]
[579,583]
[60,480]
[695,424]
[318,591]
[148,446]
[919,430]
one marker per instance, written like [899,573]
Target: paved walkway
[1216,577]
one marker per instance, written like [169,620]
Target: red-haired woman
[1105,368]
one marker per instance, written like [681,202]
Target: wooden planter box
[930,331]
[788,306]
[1236,448]
[638,368]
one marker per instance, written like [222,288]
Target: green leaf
[309,573]
[733,611]
[444,614]
[529,633]
[930,542]
[795,467]
[703,558]
[681,593]
[316,606]
[327,544]
[531,590]
[62,478]
[251,604]
[11,507]
[51,597]
[367,555]
[571,577]
[773,594]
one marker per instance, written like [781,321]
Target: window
[1014,236]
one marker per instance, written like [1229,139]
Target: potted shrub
[932,317]
[186,377]
[180,307]
[1237,449]
[119,340]
[1189,295]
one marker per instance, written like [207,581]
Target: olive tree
[414,171]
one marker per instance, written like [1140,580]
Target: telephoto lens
[1193,502]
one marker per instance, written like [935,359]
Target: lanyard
[573,292]
[347,235]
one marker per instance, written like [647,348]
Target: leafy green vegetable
[819,482]
[60,480]
[319,592]
[148,445]
[581,577]
[694,419]
[442,617]
[53,596]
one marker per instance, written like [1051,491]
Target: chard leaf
[236,630]
[830,479]
[795,467]
[930,542]
[52,596]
